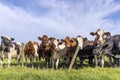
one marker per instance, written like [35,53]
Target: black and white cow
[9,50]
[86,52]
[110,48]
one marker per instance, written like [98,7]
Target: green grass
[86,73]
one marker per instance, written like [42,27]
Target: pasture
[86,73]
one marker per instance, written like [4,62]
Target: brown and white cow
[60,49]
[100,39]
[71,44]
[31,51]
[44,50]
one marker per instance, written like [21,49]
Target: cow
[110,48]
[86,52]
[100,39]
[60,49]
[9,49]
[31,51]
[71,44]
[44,50]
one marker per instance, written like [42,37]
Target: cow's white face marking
[62,46]
[7,37]
[80,42]
[56,44]
[36,48]
[18,43]
[100,34]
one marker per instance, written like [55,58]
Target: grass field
[86,73]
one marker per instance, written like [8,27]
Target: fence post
[22,52]
[74,57]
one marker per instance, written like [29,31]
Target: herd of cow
[52,50]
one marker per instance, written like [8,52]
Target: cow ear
[85,39]
[39,38]
[107,33]
[62,40]
[12,39]
[92,33]
[1,37]
[58,40]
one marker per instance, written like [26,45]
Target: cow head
[44,40]
[67,41]
[100,37]
[56,42]
[7,41]
[70,42]
[80,41]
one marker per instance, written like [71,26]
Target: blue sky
[27,19]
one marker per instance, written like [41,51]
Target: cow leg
[81,61]
[57,62]
[119,62]
[32,62]
[67,61]
[18,59]
[110,59]
[90,61]
[53,62]
[50,62]
[36,65]
[46,60]
[39,62]
[96,61]
[1,62]
[9,59]
[26,61]
[102,61]
[115,61]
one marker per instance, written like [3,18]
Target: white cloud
[63,18]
